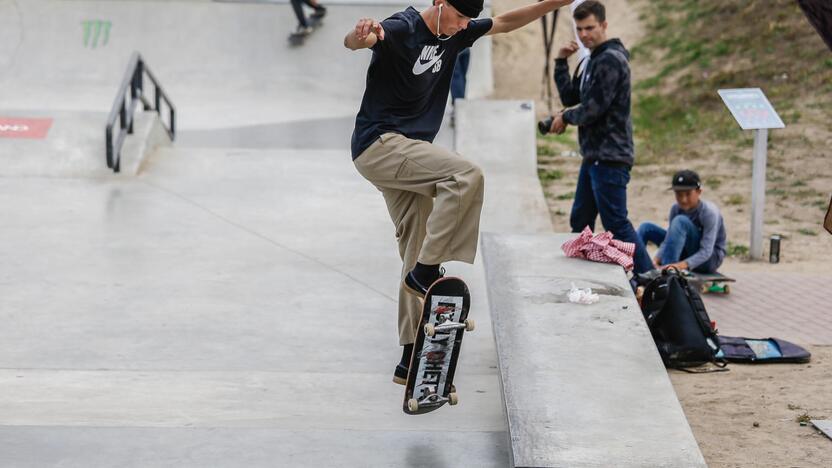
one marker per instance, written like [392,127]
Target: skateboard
[297,39]
[710,282]
[436,350]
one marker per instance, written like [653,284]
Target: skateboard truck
[433,399]
[447,327]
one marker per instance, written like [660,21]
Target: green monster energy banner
[96,33]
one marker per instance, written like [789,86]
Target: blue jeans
[677,243]
[459,79]
[602,189]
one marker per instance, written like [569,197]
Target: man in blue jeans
[601,110]
[696,237]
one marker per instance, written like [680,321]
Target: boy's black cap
[469,8]
[685,180]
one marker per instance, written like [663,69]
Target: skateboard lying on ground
[710,282]
[436,350]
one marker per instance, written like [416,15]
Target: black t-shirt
[409,78]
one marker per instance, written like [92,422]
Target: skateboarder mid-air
[434,196]
[695,239]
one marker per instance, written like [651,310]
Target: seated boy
[696,238]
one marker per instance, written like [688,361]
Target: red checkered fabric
[600,248]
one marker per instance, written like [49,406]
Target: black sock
[407,350]
[426,274]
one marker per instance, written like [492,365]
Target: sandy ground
[749,416]
[722,407]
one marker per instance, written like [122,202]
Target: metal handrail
[125,106]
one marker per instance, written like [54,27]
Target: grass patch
[736,250]
[547,175]
[713,182]
[566,196]
[545,150]
[778,192]
[567,138]
[806,194]
[807,232]
[735,199]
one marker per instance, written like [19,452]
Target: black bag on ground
[677,319]
[761,350]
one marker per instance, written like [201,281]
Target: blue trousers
[459,79]
[299,14]
[679,242]
[602,189]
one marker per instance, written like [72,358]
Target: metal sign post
[758,191]
[752,111]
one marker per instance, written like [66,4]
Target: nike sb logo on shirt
[428,59]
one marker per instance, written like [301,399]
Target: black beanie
[469,8]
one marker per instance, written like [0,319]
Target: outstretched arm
[519,17]
[365,34]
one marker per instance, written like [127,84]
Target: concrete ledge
[583,384]
[499,137]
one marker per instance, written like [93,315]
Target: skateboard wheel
[430,330]
[413,405]
[726,289]
[704,289]
[453,399]
[469,325]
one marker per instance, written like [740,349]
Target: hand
[558,125]
[365,26]
[657,262]
[681,266]
[568,50]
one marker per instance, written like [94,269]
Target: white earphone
[438,20]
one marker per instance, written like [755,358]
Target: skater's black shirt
[409,79]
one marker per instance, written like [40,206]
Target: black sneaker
[320,12]
[417,288]
[400,375]
[302,30]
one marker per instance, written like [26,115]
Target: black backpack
[677,319]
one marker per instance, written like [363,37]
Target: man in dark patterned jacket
[601,100]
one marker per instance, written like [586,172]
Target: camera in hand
[545,125]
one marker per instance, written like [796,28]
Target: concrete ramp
[224,65]
[583,384]
[226,307]
[73,145]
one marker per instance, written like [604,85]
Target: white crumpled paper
[582,296]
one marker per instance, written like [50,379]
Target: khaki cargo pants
[410,174]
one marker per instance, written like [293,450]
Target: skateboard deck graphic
[436,350]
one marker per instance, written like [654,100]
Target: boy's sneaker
[320,12]
[418,288]
[400,375]
[303,30]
